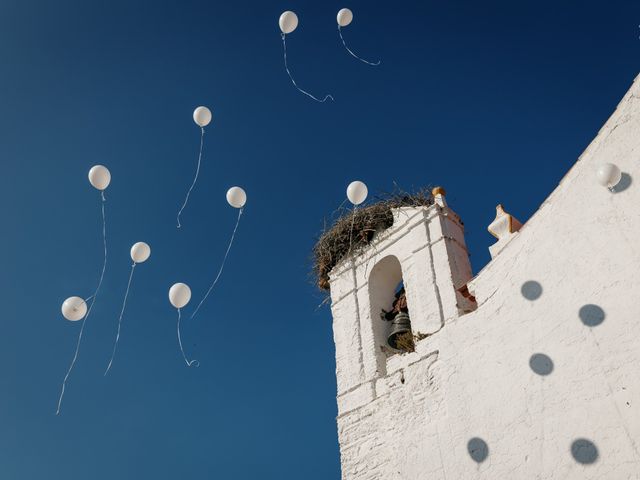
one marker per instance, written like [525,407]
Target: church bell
[400,324]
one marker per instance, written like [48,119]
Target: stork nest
[352,232]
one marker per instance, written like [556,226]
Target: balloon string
[195,178]
[93,301]
[353,54]
[353,220]
[189,363]
[284,45]
[353,254]
[124,303]
[224,260]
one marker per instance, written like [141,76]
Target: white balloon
[357,192]
[99,177]
[140,252]
[236,197]
[179,294]
[288,22]
[609,175]
[74,309]
[345,17]
[202,116]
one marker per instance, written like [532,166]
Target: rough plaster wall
[566,286]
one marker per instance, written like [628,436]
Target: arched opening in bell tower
[389,309]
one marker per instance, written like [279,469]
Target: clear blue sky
[493,100]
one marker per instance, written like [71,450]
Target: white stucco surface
[565,286]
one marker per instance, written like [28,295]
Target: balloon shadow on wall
[584,451]
[624,183]
[541,364]
[478,449]
[591,315]
[531,290]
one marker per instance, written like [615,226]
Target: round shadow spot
[531,290]
[478,449]
[584,451]
[541,364]
[591,315]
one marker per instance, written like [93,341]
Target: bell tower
[388,301]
